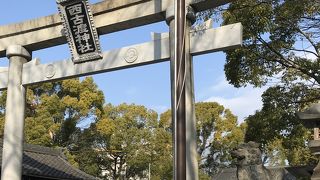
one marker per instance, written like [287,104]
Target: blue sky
[146,85]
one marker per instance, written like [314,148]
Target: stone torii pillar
[15,111]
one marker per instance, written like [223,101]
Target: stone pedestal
[311,119]
[316,173]
[314,146]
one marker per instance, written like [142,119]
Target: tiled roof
[44,162]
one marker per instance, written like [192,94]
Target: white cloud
[221,85]
[244,104]
[241,101]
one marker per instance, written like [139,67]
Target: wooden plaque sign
[81,34]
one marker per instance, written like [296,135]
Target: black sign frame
[79,30]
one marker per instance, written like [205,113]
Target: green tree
[218,133]
[65,104]
[277,36]
[280,49]
[87,151]
[279,131]
[53,110]
[125,141]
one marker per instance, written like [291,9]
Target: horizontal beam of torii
[210,40]
[109,16]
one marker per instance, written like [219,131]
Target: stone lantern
[311,119]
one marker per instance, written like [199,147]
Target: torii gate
[17,41]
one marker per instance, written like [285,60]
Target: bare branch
[303,50]
[289,63]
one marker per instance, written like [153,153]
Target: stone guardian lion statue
[250,167]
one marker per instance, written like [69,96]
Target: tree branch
[291,64]
[303,50]
[310,40]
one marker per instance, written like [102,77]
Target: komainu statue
[250,167]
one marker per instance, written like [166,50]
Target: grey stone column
[191,134]
[191,138]
[15,112]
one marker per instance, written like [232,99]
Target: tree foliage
[278,129]
[280,49]
[126,140]
[53,110]
[281,38]
[218,133]
[122,141]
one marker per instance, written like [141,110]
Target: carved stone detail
[50,71]
[131,55]
[250,167]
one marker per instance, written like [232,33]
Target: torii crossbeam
[156,51]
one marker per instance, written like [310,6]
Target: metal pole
[182,94]
[15,111]
[180,77]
